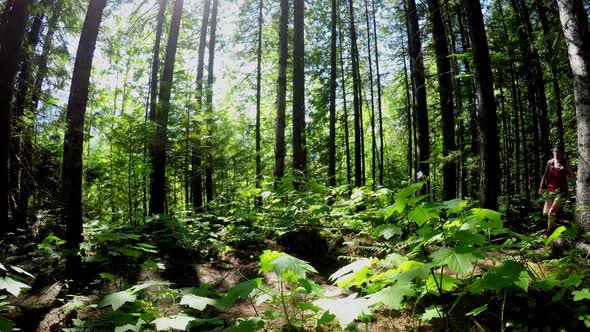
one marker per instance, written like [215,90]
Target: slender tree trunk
[409,117]
[488,127]
[156,60]
[550,55]
[158,185]
[345,108]
[20,148]
[529,66]
[379,103]
[258,82]
[332,135]
[12,31]
[74,136]
[196,175]
[279,167]
[417,69]
[209,107]
[299,140]
[445,89]
[471,107]
[371,87]
[358,169]
[153,92]
[574,22]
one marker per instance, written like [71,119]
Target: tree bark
[158,185]
[74,136]
[258,87]
[550,55]
[358,168]
[379,103]
[574,23]
[196,175]
[345,106]
[299,139]
[20,148]
[332,135]
[12,31]
[279,167]
[153,87]
[209,107]
[371,88]
[417,69]
[445,89]
[488,127]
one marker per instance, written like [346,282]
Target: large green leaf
[116,300]
[267,258]
[484,218]
[556,233]
[287,263]
[131,327]
[431,312]
[176,322]
[142,286]
[506,276]
[454,205]
[12,286]
[240,291]
[346,310]
[253,324]
[355,272]
[197,302]
[582,294]
[446,283]
[458,261]
[421,215]
[392,296]
[387,231]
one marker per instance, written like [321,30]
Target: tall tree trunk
[158,185]
[209,107]
[445,89]
[345,106]
[332,135]
[156,60]
[471,111]
[417,69]
[74,136]
[196,175]
[279,167]
[299,140]
[358,169]
[12,32]
[379,103]
[258,82]
[488,127]
[529,66]
[372,115]
[153,90]
[574,22]
[44,58]
[409,117]
[550,55]
[19,149]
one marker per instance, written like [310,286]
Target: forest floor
[135,274]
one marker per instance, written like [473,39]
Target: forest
[292,165]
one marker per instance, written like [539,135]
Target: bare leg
[553,213]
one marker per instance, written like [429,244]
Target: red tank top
[557,178]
